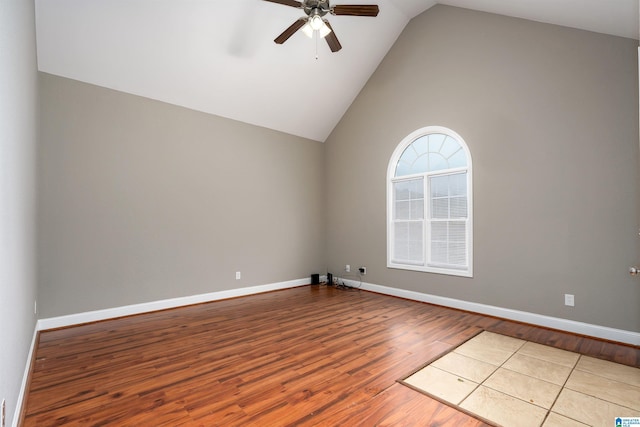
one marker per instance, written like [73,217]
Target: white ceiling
[218,56]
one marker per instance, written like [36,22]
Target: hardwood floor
[305,356]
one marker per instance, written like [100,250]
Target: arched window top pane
[430,153]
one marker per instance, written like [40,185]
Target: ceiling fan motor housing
[316,7]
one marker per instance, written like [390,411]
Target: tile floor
[513,383]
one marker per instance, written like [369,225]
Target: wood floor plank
[310,355]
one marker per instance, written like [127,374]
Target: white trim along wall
[596,331]
[603,332]
[128,310]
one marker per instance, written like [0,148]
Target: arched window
[429,203]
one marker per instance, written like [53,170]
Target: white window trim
[391,169]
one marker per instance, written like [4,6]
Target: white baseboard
[128,310]
[597,331]
[25,378]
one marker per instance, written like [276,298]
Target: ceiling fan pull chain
[316,36]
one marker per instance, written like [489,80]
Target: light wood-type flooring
[306,356]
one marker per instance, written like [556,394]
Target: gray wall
[142,201]
[18,134]
[550,115]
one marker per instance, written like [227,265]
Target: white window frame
[426,266]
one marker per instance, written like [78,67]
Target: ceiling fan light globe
[324,30]
[307,30]
[316,22]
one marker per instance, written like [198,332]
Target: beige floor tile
[603,388]
[590,410]
[538,368]
[503,409]
[613,371]
[550,354]
[466,367]
[502,342]
[556,420]
[442,384]
[523,387]
[489,349]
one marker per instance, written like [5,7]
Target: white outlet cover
[569,300]
[238,275]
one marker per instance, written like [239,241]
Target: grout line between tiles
[493,372]
[573,368]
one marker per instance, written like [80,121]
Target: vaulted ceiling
[218,56]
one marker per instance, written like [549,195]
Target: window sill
[437,270]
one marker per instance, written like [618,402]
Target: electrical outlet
[569,300]
[35,307]
[362,270]
[347,268]
[238,275]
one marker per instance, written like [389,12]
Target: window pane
[439,186]
[435,142]
[414,158]
[439,252]
[409,209]
[417,209]
[458,207]
[439,231]
[409,199]
[403,169]
[415,242]
[415,252]
[449,196]
[409,155]
[457,231]
[402,231]
[408,242]
[449,243]
[421,165]
[457,253]
[458,160]
[449,147]
[403,209]
[449,202]
[417,188]
[421,145]
[401,239]
[437,162]
[458,184]
[440,208]
[402,190]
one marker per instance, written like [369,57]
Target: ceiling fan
[314,21]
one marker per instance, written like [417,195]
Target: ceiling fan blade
[290,31]
[356,9]
[332,39]
[291,3]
